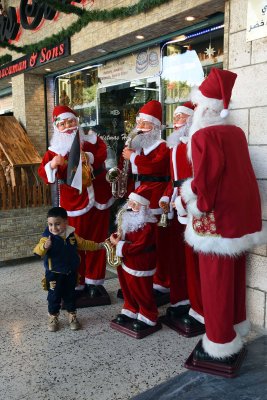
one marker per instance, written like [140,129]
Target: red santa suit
[225,216]
[184,272]
[88,211]
[138,251]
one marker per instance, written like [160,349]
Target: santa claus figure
[183,262]
[224,209]
[88,205]
[149,158]
[135,242]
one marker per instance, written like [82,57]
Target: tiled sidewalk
[96,363]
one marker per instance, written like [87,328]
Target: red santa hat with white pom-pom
[186,108]
[141,195]
[152,112]
[63,112]
[218,85]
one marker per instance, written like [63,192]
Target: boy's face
[57,225]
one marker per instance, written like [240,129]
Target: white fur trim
[181,303]
[106,205]
[139,199]
[196,316]
[160,288]
[94,281]
[91,200]
[181,211]
[65,115]
[148,150]
[156,211]
[187,192]
[224,113]
[91,157]
[144,319]
[150,118]
[119,248]
[193,209]
[182,220]
[91,138]
[222,246]
[132,158]
[164,199]
[243,328]
[50,173]
[129,313]
[222,350]
[183,110]
[136,273]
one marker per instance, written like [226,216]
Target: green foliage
[85,17]
[5,59]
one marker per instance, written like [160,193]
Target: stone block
[256,272]
[239,50]
[258,155]
[238,15]
[257,125]
[256,302]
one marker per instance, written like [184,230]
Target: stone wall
[249,104]
[20,231]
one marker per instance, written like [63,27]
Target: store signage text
[29,15]
[28,62]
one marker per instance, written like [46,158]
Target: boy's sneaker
[53,323]
[73,321]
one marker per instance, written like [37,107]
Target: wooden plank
[15,143]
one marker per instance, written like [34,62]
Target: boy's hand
[48,243]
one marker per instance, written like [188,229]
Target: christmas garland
[85,17]
[5,59]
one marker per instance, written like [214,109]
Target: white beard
[146,140]
[132,221]
[61,142]
[174,138]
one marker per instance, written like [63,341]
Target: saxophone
[112,259]
[119,178]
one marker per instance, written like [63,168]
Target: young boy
[135,242]
[59,247]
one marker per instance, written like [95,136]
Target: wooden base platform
[83,299]
[127,329]
[216,367]
[161,299]
[180,327]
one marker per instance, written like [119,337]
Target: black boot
[139,326]
[200,355]
[122,319]
[93,291]
[178,311]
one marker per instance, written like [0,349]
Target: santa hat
[218,85]
[151,112]
[141,195]
[62,112]
[186,108]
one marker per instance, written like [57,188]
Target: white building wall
[249,104]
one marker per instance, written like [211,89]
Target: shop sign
[256,19]
[26,63]
[30,15]
[144,64]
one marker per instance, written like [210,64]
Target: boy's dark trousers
[61,287]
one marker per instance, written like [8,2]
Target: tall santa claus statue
[224,206]
[87,201]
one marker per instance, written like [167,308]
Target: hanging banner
[256,19]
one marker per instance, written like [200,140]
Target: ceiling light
[47,69]
[71,61]
[190,18]
[101,50]
[140,37]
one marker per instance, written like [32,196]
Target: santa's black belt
[98,171]
[179,182]
[150,178]
[148,249]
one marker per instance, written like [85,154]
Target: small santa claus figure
[149,158]
[88,205]
[183,262]
[135,242]
[224,209]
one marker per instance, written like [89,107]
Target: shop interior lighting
[190,18]
[47,69]
[101,50]
[78,70]
[71,61]
[140,37]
